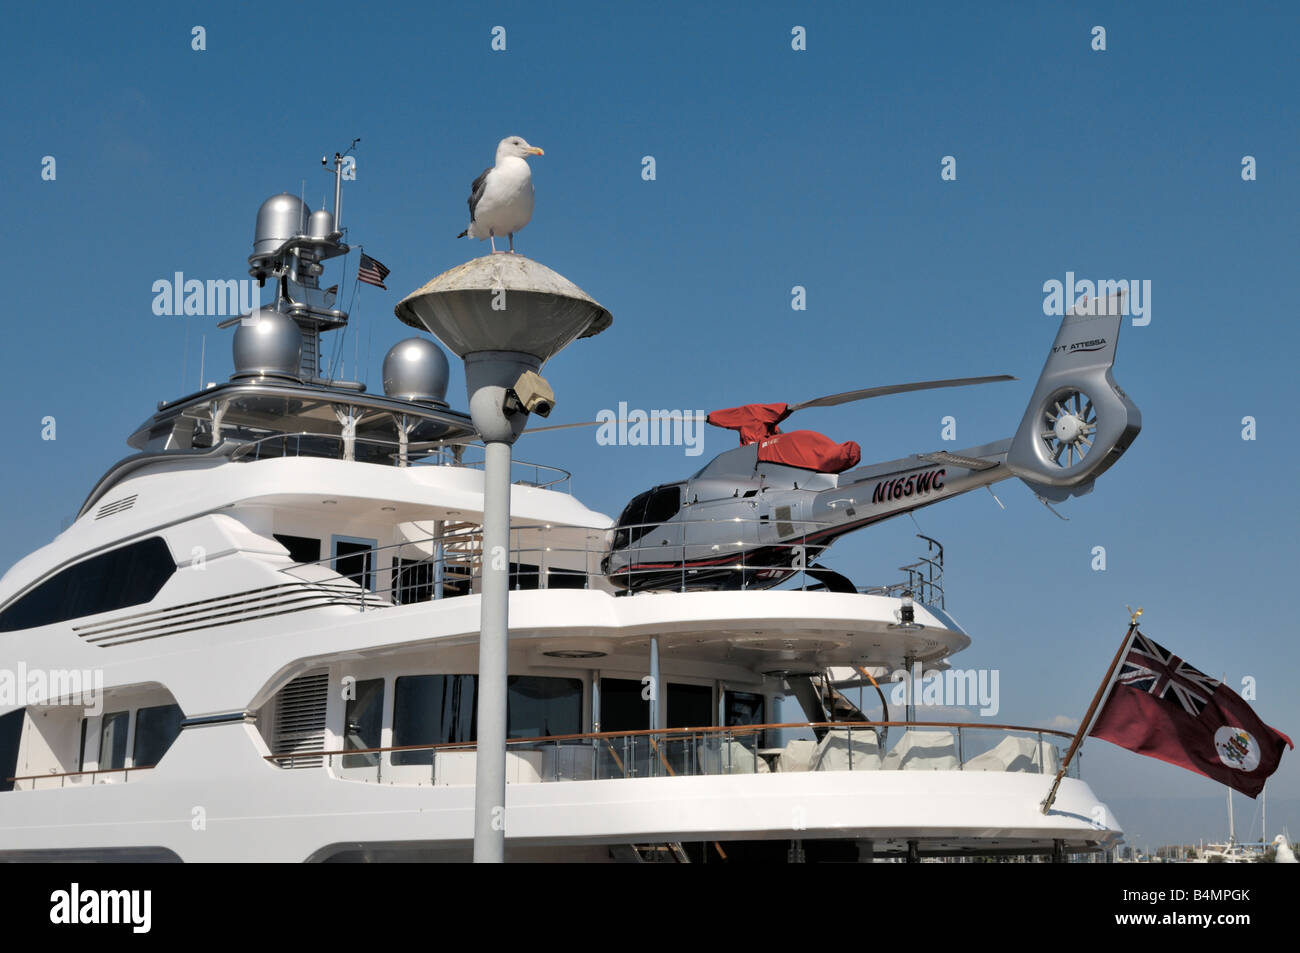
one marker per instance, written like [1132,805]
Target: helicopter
[762,512]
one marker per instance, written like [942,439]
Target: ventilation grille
[226,610]
[957,460]
[114,507]
[300,720]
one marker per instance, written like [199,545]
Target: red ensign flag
[1161,707]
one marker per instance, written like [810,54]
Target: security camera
[530,394]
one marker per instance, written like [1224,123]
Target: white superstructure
[273,607]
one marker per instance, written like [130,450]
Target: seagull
[1284,855]
[501,199]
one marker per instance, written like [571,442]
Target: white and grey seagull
[501,199]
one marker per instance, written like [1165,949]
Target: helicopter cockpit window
[632,514]
[645,512]
[663,505]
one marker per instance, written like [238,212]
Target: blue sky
[774,168]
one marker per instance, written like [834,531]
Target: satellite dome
[271,346]
[416,369]
[320,224]
[280,218]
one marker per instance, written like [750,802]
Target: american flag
[1149,667]
[372,272]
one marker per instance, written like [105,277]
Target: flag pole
[1084,725]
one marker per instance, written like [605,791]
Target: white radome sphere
[416,369]
[271,346]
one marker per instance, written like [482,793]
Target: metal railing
[541,557]
[924,577]
[706,752]
[96,776]
[392,453]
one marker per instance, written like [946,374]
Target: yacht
[258,641]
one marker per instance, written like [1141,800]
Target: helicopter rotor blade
[851,395]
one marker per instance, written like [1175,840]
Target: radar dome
[271,346]
[416,369]
[280,218]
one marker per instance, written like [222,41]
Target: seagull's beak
[535,151]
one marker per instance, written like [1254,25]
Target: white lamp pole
[505,316]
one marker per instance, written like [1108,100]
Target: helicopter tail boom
[1079,421]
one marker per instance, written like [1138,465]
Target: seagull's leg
[492,240]
[512,243]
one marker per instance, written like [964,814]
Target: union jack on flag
[1150,667]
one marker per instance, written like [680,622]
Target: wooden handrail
[734,729]
[662,759]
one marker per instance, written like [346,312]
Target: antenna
[338,182]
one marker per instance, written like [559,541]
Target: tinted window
[155,730]
[663,505]
[689,706]
[430,710]
[621,706]
[525,576]
[129,576]
[302,549]
[412,581]
[744,708]
[566,579]
[649,509]
[442,709]
[362,721]
[538,707]
[11,727]
[632,514]
[112,741]
[352,559]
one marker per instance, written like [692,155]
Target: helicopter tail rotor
[1079,421]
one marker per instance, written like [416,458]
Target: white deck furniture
[923,750]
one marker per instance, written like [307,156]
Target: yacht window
[81,748]
[412,581]
[689,706]
[442,709]
[129,576]
[155,730]
[363,718]
[112,741]
[621,706]
[302,549]
[566,579]
[430,710]
[11,730]
[539,707]
[743,708]
[525,576]
[354,558]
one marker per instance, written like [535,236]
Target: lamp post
[505,316]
